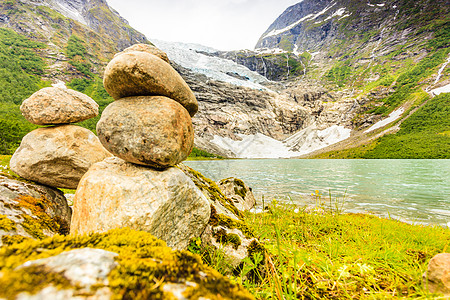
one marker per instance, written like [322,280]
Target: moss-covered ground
[145,265]
[331,255]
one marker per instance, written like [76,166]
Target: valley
[319,77]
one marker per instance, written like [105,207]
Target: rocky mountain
[101,30]
[324,71]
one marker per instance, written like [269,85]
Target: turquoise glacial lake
[413,191]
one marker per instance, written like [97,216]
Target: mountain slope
[44,42]
[390,56]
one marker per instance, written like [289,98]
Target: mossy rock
[31,211]
[240,194]
[226,231]
[146,269]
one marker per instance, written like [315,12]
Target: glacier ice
[191,57]
[303,142]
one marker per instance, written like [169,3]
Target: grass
[343,256]
[326,254]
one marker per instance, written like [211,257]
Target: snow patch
[295,51]
[311,139]
[344,16]
[381,4]
[189,56]
[311,17]
[443,89]
[302,142]
[340,12]
[395,115]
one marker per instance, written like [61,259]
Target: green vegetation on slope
[328,255]
[77,53]
[421,136]
[20,70]
[425,134]
[20,67]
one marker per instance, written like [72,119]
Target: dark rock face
[272,66]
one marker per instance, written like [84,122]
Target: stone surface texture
[83,267]
[24,206]
[138,73]
[116,194]
[437,276]
[148,130]
[239,192]
[146,48]
[54,105]
[57,156]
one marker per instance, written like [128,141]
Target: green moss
[215,194]
[13,239]
[145,265]
[31,280]
[222,220]
[240,189]
[34,225]
[6,224]
[228,238]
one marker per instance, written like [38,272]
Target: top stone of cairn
[53,106]
[145,73]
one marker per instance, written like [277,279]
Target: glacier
[193,57]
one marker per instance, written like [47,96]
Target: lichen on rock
[31,211]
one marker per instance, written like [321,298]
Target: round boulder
[146,48]
[117,194]
[57,156]
[437,276]
[54,105]
[138,73]
[147,130]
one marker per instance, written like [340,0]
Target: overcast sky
[222,24]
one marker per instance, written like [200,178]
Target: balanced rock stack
[149,130]
[58,155]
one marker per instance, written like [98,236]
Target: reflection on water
[416,191]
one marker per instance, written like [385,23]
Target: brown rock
[57,156]
[117,194]
[147,48]
[138,73]
[53,105]
[437,277]
[154,131]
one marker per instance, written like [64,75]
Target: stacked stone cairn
[149,130]
[60,154]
